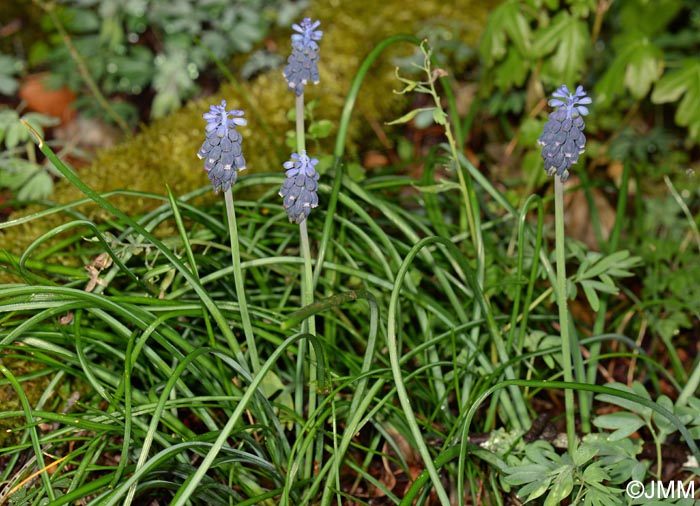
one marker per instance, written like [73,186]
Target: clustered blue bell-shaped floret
[299,190]
[302,64]
[563,140]
[221,151]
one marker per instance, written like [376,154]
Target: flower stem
[239,282]
[307,298]
[566,348]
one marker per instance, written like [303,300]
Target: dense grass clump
[386,340]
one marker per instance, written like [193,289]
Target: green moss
[163,153]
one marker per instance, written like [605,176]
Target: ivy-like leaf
[512,71]
[568,37]
[650,18]
[685,82]
[506,21]
[637,65]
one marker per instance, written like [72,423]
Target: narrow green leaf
[443,186]
[409,116]
[591,295]
[605,263]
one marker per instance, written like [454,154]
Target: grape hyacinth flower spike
[563,140]
[299,190]
[221,151]
[302,64]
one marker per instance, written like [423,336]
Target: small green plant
[10,68]
[20,170]
[129,48]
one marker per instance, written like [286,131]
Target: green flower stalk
[223,159]
[562,142]
[299,197]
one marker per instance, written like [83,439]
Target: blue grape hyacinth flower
[302,64]
[221,151]
[299,190]
[563,140]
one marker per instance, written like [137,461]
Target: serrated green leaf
[645,65]
[13,180]
[606,287]
[671,324]
[36,119]
[356,172]
[77,20]
[548,38]
[623,424]
[604,263]
[439,116]
[649,18]
[505,21]
[541,452]
[610,83]
[512,71]
[637,65]
[568,60]
[664,424]
[632,406]
[601,497]
[14,134]
[8,85]
[561,489]
[593,473]
[584,453]
[527,473]
[534,489]
[37,187]
[582,8]
[676,82]
[320,129]
[685,82]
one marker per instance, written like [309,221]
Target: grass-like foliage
[397,341]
